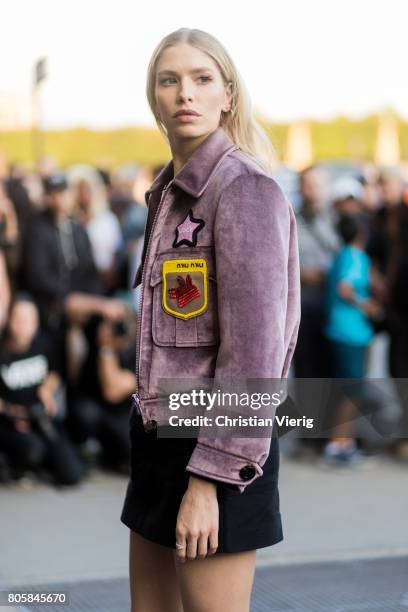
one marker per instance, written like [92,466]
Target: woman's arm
[259,312]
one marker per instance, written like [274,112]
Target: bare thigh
[221,583]
[153,579]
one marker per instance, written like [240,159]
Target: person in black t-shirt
[100,405]
[31,428]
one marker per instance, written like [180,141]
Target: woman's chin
[190,130]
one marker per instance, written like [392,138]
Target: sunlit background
[326,78]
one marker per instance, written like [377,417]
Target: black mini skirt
[158,481]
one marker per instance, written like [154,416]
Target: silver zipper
[136,396]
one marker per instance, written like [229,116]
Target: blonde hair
[239,123]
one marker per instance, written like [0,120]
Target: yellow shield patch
[185,287]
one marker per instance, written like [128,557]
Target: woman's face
[23,322]
[187,78]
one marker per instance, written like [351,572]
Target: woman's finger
[181,547]
[213,541]
[192,546]
[202,546]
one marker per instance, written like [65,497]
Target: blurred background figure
[58,257]
[129,183]
[9,230]
[350,308]
[99,405]
[347,196]
[32,432]
[92,210]
[391,250]
[318,242]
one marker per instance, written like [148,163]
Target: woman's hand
[197,520]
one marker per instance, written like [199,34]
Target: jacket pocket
[198,329]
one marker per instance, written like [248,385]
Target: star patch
[187,231]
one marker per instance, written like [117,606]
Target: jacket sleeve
[259,310]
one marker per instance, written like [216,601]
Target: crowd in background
[70,244]
[353,245]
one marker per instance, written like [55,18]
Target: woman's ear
[228,98]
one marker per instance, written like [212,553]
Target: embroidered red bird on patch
[185,293]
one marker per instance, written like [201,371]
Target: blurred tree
[338,139]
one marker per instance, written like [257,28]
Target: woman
[31,429]
[215,212]
[92,209]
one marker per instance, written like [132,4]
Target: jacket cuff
[215,464]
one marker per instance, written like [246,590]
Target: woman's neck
[182,149]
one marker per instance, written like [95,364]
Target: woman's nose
[185,91]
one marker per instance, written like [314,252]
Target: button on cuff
[223,466]
[247,472]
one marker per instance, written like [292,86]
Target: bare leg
[221,583]
[153,579]
[344,427]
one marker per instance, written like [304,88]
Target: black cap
[55,182]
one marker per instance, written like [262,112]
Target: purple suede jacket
[218,223]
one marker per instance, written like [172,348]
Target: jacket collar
[195,175]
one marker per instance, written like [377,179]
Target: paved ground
[75,537]
[358,586]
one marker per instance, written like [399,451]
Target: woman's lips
[186,117]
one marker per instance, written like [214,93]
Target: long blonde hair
[239,123]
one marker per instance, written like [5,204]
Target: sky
[314,59]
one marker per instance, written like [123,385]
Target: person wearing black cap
[57,255]
[58,265]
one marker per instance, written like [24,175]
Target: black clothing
[32,450]
[378,245]
[158,481]
[22,373]
[57,261]
[389,248]
[90,415]
[399,262]
[88,383]
[90,419]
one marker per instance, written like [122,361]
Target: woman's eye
[167,80]
[205,78]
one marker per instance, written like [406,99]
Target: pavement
[344,529]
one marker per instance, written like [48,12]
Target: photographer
[100,406]
[31,429]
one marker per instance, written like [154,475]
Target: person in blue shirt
[350,309]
